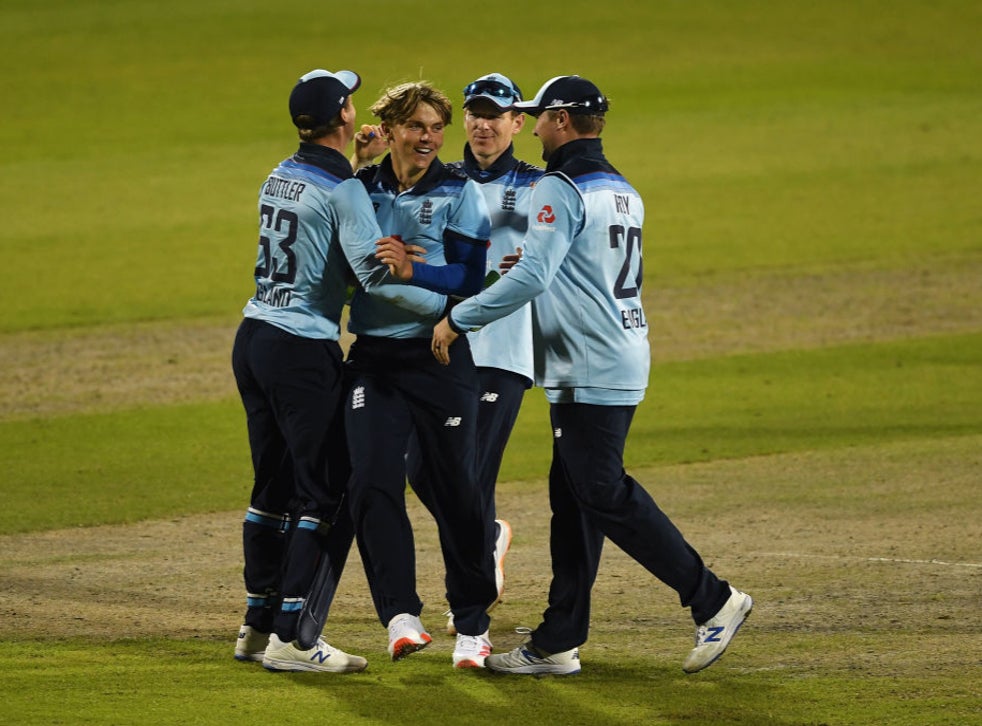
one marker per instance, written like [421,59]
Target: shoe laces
[701,632]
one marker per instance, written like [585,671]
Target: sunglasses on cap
[492,88]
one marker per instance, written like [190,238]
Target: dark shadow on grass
[429,691]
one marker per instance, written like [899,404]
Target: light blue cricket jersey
[316,224]
[582,268]
[445,213]
[507,186]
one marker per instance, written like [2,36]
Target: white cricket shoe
[524,660]
[471,650]
[502,542]
[406,636]
[322,657]
[251,644]
[715,634]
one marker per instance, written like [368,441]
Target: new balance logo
[712,634]
[453,421]
[557,433]
[489,396]
[320,656]
[358,397]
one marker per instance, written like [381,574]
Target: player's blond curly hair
[398,103]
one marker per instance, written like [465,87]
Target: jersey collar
[502,165]
[324,157]
[386,177]
[576,149]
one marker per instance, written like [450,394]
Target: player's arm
[398,256]
[465,248]
[462,275]
[554,220]
[546,244]
[358,229]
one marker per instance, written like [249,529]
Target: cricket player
[316,224]
[502,350]
[582,268]
[399,390]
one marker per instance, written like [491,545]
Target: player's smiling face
[415,143]
[489,129]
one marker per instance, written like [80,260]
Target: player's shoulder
[525,169]
[454,172]
[556,179]
[351,198]
[367,174]
[351,188]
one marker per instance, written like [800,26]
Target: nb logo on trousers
[453,421]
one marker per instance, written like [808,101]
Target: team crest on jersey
[426,212]
[508,200]
[546,215]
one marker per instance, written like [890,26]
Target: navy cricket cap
[494,87]
[320,95]
[574,93]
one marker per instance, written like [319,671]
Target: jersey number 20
[632,239]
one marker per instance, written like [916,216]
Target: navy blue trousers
[292,389]
[499,400]
[593,498]
[397,387]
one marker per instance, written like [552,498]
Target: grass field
[812,175]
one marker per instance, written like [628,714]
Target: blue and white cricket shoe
[525,660]
[714,635]
[322,657]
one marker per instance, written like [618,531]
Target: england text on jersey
[633,318]
[275,297]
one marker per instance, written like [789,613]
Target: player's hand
[509,261]
[415,253]
[369,143]
[399,257]
[443,337]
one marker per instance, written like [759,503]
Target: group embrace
[468,283]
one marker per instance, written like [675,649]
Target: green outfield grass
[772,142]
[126,679]
[149,463]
